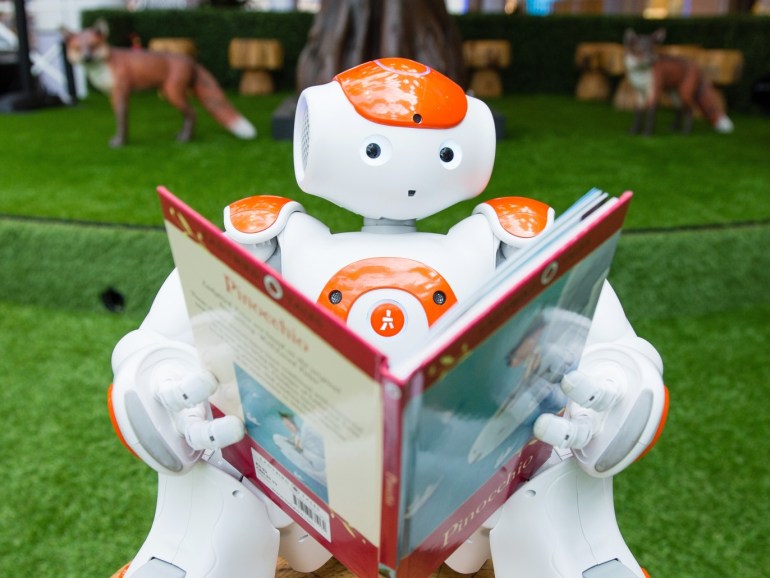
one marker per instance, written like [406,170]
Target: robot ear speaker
[305,119]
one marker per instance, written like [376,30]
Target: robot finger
[564,432]
[179,393]
[204,434]
[591,392]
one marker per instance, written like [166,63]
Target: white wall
[52,14]
[46,17]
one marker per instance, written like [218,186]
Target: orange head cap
[392,139]
[402,92]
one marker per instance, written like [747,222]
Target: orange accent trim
[114,422]
[255,214]
[646,573]
[402,92]
[387,273]
[661,425]
[520,216]
[122,572]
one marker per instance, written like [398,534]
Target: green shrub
[543,47]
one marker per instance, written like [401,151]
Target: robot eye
[373,150]
[450,153]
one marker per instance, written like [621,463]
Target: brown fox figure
[653,74]
[120,71]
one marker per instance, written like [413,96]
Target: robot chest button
[387,319]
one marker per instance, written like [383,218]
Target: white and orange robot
[393,141]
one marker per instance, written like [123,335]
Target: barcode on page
[311,512]
[291,495]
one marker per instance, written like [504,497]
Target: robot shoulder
[258,219]
[516,220]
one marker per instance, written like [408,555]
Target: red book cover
[391,466]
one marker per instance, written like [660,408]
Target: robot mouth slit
[411,192]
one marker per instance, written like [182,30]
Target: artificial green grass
[696,505]
[71,266]
[56,163]
[73,502]
[657,274]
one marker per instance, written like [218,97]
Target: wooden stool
[257,57]
[485,58]
[174,45]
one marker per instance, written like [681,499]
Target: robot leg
[561,524]
[475,551]
[207,525]
[302,552]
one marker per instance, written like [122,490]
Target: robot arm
[158,400]
[256,222]
[618,401]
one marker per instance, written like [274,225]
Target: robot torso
[389,287]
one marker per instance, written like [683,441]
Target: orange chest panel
[421,281]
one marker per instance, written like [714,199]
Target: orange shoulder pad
[258,219]
[516,220]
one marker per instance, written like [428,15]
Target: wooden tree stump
[613,59]
[485,58]
[184,46]
[593,85]
[722,67]
[598,61]
[689,51]
[625,96]
[345,34]
[258,58]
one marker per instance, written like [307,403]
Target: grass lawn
[691,273]
[56,163]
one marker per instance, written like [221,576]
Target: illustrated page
[314,417]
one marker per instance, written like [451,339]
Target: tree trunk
[346,33]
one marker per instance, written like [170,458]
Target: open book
[391,466]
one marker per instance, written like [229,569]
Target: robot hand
[589,397]
[617,408]
[184,398]
[160,409]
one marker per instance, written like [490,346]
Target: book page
[477,417]
[483,389]
[313,417]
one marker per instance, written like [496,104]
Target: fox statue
[652,74]
[120,71]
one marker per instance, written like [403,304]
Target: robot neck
[388,226]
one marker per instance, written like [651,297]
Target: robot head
[392,139]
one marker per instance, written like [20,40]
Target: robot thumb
[562,432]
[215,434]
[179,393]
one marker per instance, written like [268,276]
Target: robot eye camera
[392,138]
